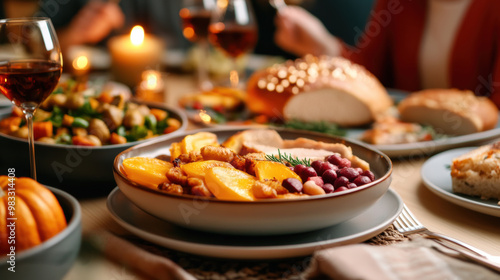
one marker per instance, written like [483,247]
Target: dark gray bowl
[80,171]
[53,258]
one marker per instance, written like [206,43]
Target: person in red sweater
[412,44]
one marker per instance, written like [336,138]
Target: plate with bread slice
[467,177]
[335,90]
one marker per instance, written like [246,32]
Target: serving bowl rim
[180,113]
[123,177]
[72,225]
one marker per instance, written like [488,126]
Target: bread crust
[449,111]
[270,91]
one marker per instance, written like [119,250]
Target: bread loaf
[318,89]
[449,111]
[477,172]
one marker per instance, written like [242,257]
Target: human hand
[92,24]
[301,33]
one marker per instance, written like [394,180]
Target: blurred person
[95,21]
[91,24]
[17,8]
[412,45]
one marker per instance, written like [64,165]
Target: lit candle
[151,87]
[132,54]
[81,65]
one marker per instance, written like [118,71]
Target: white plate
[361,228]
[436,176]
[428,148]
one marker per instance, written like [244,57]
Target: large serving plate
[80,171]
[361,228]
[436,176]
[261,217]
[430,148]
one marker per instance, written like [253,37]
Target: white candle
[132,54]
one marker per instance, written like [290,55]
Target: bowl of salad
[78,132]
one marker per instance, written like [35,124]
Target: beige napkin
[410,260]
[146,264]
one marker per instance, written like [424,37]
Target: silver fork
[406,223]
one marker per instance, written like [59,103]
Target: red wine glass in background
[196,15]
[233,29]
[30,67]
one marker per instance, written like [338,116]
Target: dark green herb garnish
[288,159]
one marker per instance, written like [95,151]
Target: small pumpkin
[36,216]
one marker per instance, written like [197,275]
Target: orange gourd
[37,214]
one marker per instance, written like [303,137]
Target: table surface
[476,229]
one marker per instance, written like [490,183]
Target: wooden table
[476,229]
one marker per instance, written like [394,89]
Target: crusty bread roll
[449,111]
[318,89]
[477,173]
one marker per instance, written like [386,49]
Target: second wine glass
[196,16]
[233,29]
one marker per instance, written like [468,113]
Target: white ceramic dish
[361,228]
[430,147]
[263,217]
[436,176]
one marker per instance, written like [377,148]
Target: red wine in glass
[234,39]
[30,67]
[29,82]
[195,23]
[196,16]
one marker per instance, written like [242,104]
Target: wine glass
[30,67]
[196,15]
[233,29]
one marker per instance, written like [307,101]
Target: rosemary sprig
[288,159]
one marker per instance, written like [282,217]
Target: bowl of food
[79,131]
[236,180]
[43,250]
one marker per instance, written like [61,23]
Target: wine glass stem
[31,142]
[203,81]
[234,77]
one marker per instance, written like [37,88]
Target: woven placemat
[219,269]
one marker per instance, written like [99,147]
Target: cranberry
[328,188]
[329,176]
[292,185]
[307,172]
[359,169]
[348,172]
[334,159]
[361,180]
[351,185]
[341,182]
[298,168]
[317,180]
[339,189]
[369,174]
[326,166]
[317,165]
[344,163]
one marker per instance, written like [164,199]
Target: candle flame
[81,63]
[151,79]
[137,35]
